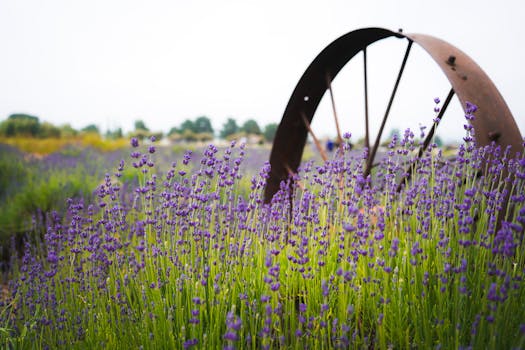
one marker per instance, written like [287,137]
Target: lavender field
[173,250]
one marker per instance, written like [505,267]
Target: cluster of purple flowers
[191,256]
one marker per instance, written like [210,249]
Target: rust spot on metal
[494,135]
[492,114]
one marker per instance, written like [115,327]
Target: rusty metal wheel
[493,123]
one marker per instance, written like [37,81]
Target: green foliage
[48,130]
[198,130]
[189,135]
[203,125]
[23,117]
[40,194]
[114,134]
[200,125]
[139,125]
[229,128]
[32,188]
[20,125]
[251,127]
[67,131]
[27,126]
[91,128]
[269,132]
[173,131]
[187,125]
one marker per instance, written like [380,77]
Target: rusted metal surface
[471,84]
[493,122]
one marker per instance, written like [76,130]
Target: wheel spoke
[367,140]
[372,154]
[339,138]
[428,138]
[316,140]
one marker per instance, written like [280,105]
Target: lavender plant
[192,258]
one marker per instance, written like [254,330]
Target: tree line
[198,129]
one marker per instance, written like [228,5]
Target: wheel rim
[493,123]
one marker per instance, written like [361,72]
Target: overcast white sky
[111,62]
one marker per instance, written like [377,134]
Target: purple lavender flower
[380,319]
[302,307]
[190,343]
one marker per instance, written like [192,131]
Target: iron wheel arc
[493,123]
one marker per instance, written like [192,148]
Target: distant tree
[203,125]
[118,133]
[139,125]
[114,134]
[269,131]
[187,125]
[188,135]
[7,129]
[173,131]
[67,130]
[48,130]
[91,128]
[251,127]
[23,117]
[229,128]
[20,125]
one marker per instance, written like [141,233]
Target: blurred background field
[39,175]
